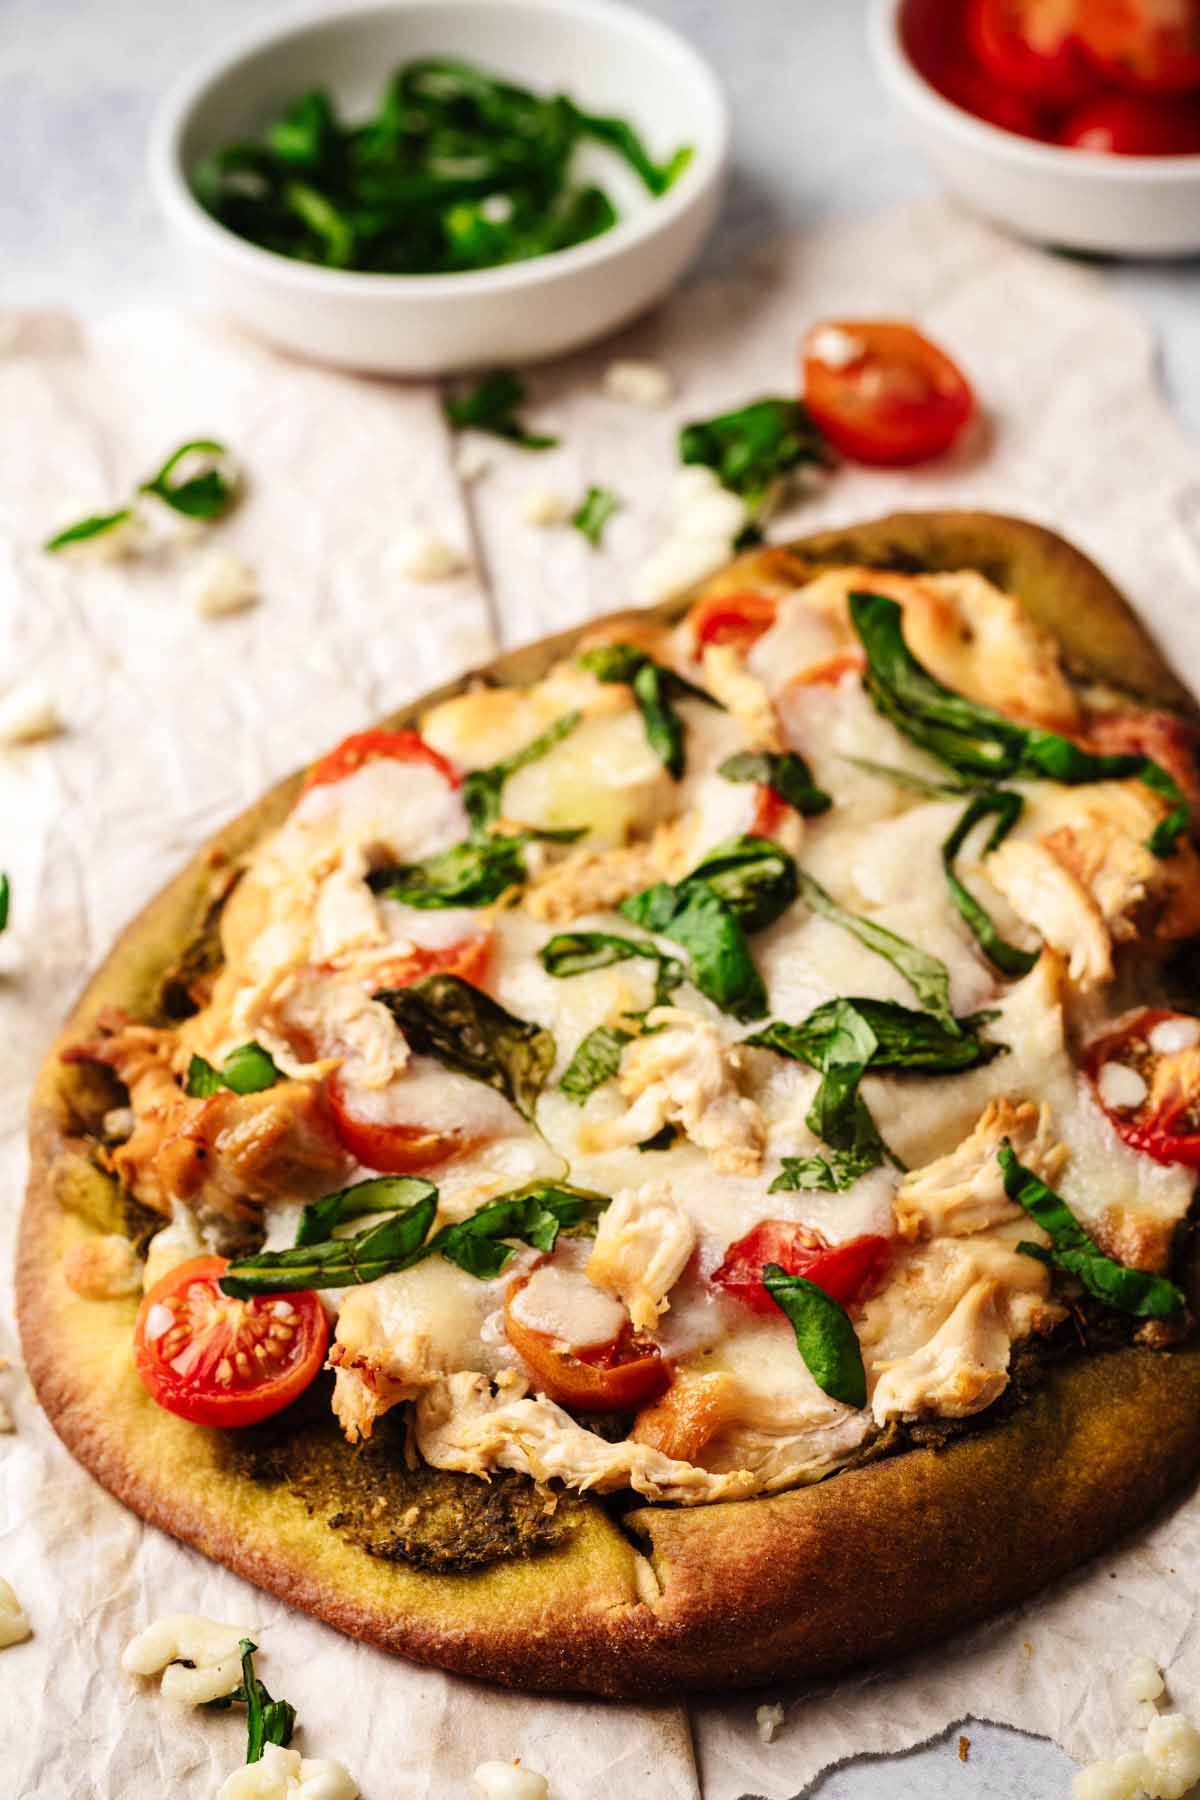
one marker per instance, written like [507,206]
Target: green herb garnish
[483,789]
[379,1194]
[467,1031]
[5,898]
[247,1070]
[785,773]
[492,406]
[595,510]
[207,493]
[579,952]
[905,1039]
[596,1060]
[926,975]
[655,689]
[1005,807]
[825,1337]
[752,449]
[475,873]
[267,1721]
[94,526]
[1133,1291]
[834,1172]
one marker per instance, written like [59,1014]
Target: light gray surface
[78,83]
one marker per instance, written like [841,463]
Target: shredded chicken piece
[394,1338]
[1045,894]
[228,1153]
[683,1073]
[588,881]
[316,1018]
[643,1242]
[963,1192]
[1101,833]
[102,1268]
[742,695]
[693,1409]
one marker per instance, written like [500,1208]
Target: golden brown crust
[804,1583]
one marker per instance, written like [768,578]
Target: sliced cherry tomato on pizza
[1029,47]
[618,1376]
[739,619]
[1151,46]
[1122,125]
[467,958]
[881,392]
[374,746]
[843,1271]
[1146,1076]
[219,1361]
[390,1147]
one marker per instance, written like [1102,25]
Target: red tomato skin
[616,1377]
[373,746]
[392,1149]
[1152,1136]
[902,401]
[997,34]
[843,1271]
[186,1395]
[739,619]
[1122,125]
[1138,54]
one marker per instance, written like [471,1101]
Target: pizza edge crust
[805,1583]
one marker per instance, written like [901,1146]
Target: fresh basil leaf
[267,1721]
[247,1070]
[905,1039]
[204,495]
[492,406]
[655,689]
[977,741]
[93,526]
[483,789]
[596,1060]
[340,1262]
[926,975]
[754,876]
[467,1031]
[755,446]
[579,952]
[593,513]
[839,1115]
[306,134]
[1134,1291]
[836,1172]
[720,963]
[825,1337]
[620,136]
[785,773]
[906,778]
[325,220]
[379,1194]
[478,872]
[534,1214]
[5,898]
[1005,807]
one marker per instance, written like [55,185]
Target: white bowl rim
[175,195]
[899,69]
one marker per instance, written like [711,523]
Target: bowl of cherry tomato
[1073,122]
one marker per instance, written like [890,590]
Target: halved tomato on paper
[843,1271]
[363,747]
[218,1361]
[1146,1076]
[883,393]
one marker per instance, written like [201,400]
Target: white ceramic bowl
[607,56]
[1076,199]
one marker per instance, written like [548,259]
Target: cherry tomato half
[372,746]
[1153,49]
[739,619]
[1029,47]
[844,1271]
[618,1376]
[1162,1117]
[881,392]
[219,1361]
[1122,125]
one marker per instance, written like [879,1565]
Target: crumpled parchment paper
[175,722]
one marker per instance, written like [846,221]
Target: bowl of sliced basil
[430,186]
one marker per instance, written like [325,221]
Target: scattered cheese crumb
[1143,1679]
[639,383]
[27,713]
[509,1781]
[769,1720]
[423,556]
[471,460]
[14,1626]
[836,348]
[222,584]
[1121,1087]
[707,520]
[1165,1765]
[102,1268]
[1172,1035]
[118,1122]
[545,506]
[180,1638]
[286,1775]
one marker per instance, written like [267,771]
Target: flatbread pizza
[669,1163]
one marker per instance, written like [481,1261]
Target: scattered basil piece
[719,959]
[825,1337]
[1133,1291]
[839,1115]
[1005,807]
[247,1070]
[754,876]
[906,778]
[975,740]
[204,495]
[337,1262]
[620,136]
[753,447]
[579,952]
[905,1039]
[835,1172]
[926,975]
[267,1721]
[534,1214]
[483,789]
[91,527]
[596,1060]
[5,899]
[492,406]
[656,690]
[593,513]
[379,1194]
[785,773]
[466,1030]
[477,872]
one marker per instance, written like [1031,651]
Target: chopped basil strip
[751,449]
[579,952]
[976,741]
[839,1170]
[267,1721]
[655,689]
[247,1070]
[596,1060]
[478,872]
[1010,959]
[5,897]
[1133,1291]
[926,975]
[825,1337]
[620,136]
[94,526]
[379,1194]
[905,1039]
[907,778]
[754,876]
[785,773]
[204,495]
[492,406]
[483,789]
[839,1115]
[533,1215]
[593,513]
[469,1032]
